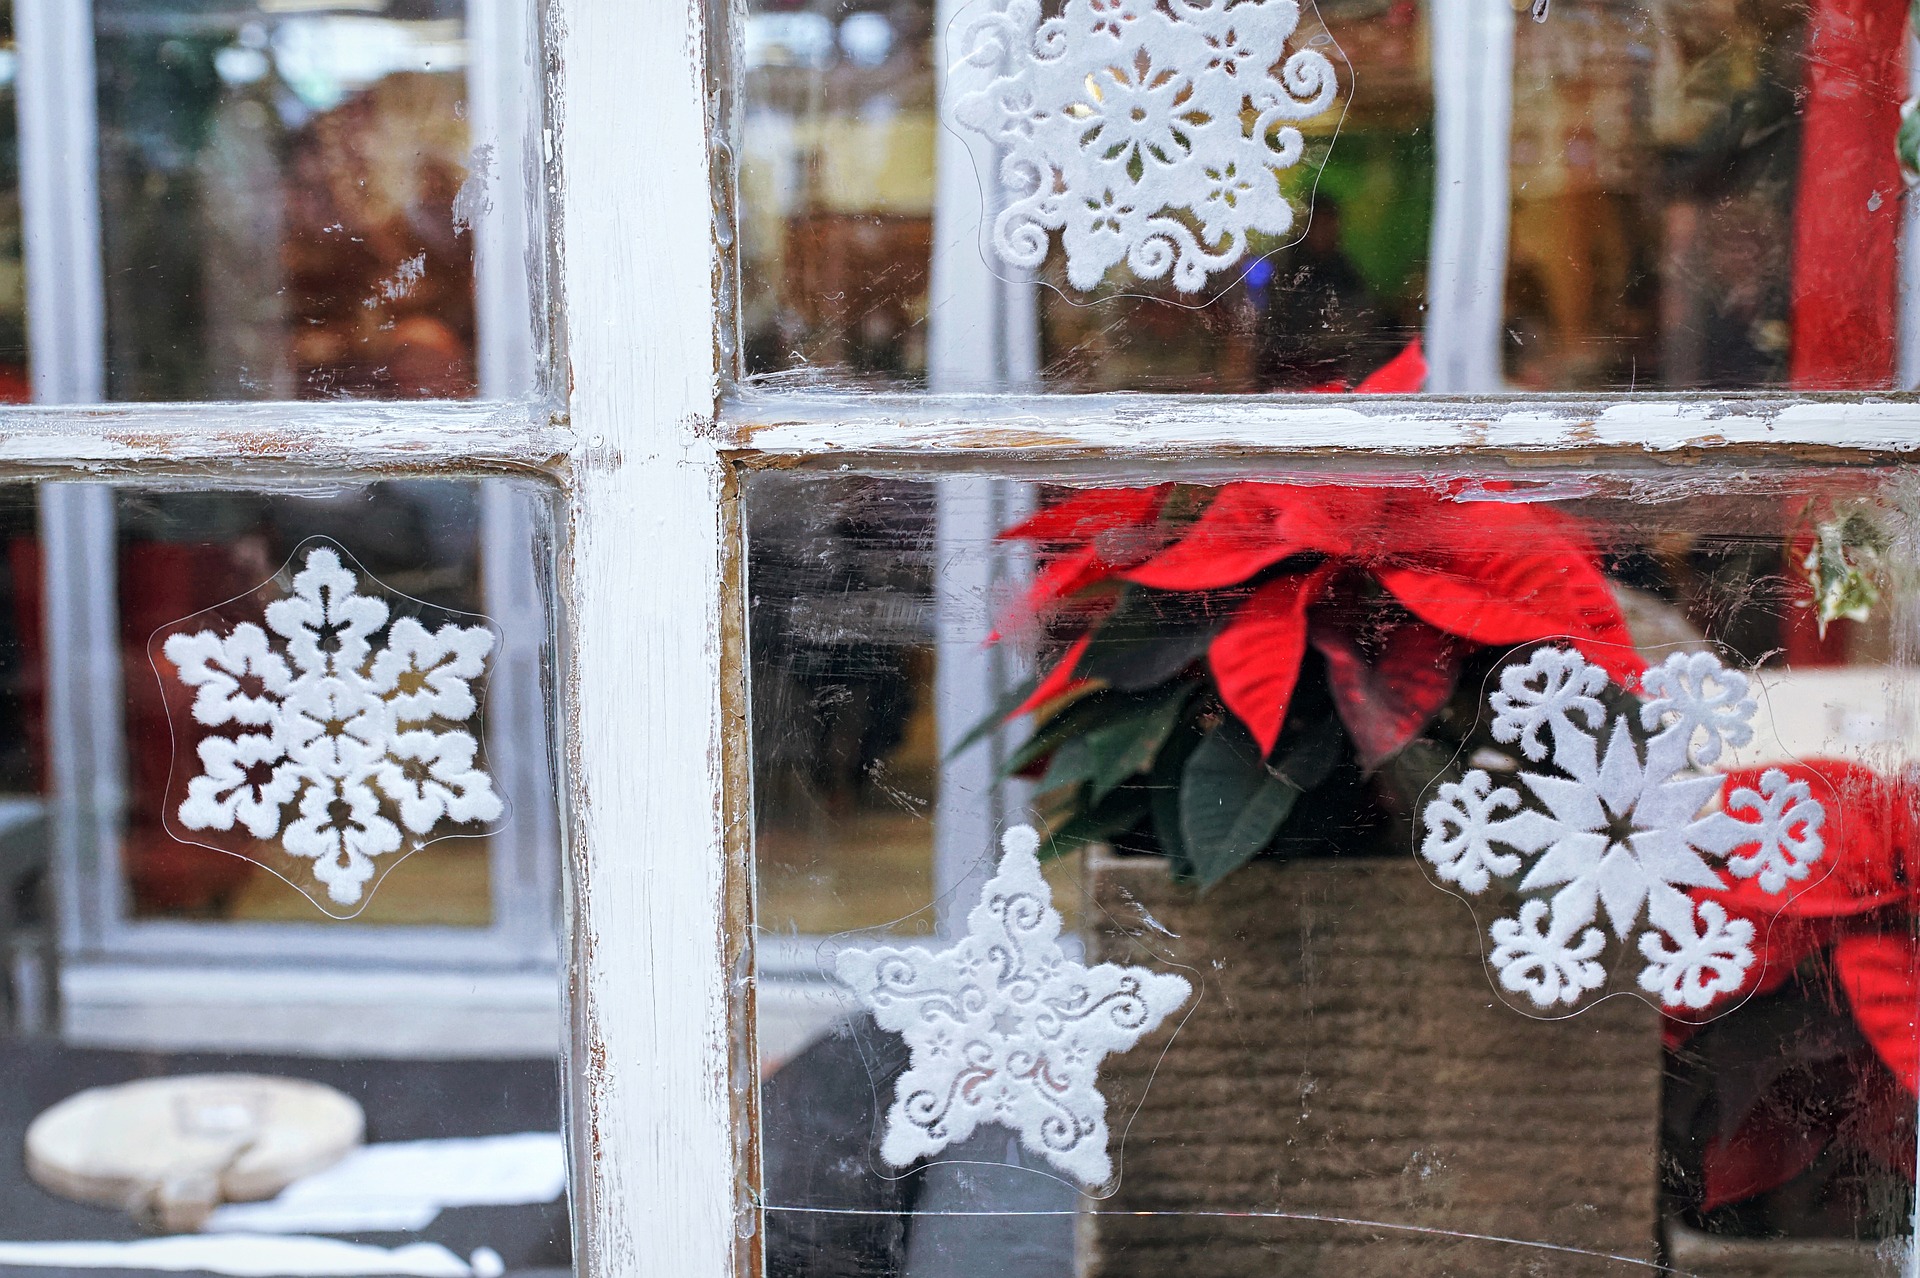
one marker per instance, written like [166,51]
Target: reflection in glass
[839,188]
[1705,195]
[156,1070]
[282,204]
[1354,1089]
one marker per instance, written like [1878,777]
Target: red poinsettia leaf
[1256,659]
[1775,1144]
[1059,681]
[1404,374]
[1882,1124]
[1078,519]
[1251,527]
[1880,973]
[1531,586]
[1385,700]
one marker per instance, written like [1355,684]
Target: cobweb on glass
[1607,844]
[326,727]
[984,1047]
[1152,148]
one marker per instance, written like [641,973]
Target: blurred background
[223,200]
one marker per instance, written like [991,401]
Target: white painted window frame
[147,983]
[647,446]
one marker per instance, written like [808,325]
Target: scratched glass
[845,207]
[1706,195]
[136,954]
[284,209]
[1355,1080]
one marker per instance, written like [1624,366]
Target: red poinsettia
[1850,938]
[1294,566]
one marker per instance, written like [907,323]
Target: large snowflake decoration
[1621,833]
[1126,124]
[1004,1028]
[341,748]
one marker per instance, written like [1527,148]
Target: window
[280,303]
[1616,228]
[762,583]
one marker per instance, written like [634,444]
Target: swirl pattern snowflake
[1619,834]
[1005,1028]
[348,727]
[1153,132]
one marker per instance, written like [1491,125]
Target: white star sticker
[1004,1028]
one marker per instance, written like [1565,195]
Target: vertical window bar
[1472,43]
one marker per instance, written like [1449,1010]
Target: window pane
[261,996]
[284,199]
[846,206]
[1706,195]
[13,290]
[1491,872]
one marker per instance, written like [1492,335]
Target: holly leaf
[1231,803]
[1256,659]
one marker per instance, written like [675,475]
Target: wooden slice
[170,1150]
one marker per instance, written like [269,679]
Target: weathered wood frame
[646,445]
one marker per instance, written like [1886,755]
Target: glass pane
[1373,872]
[199,562]
[845,206]
[213,1059]
[1706,195]
[285,208]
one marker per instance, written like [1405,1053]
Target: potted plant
[1255,683]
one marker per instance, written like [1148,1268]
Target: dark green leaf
[1150,637]
[1119,812]
[1163,791]
[1129,747]
[1231,804]
[996,716]
[1083,716]
[1126,746]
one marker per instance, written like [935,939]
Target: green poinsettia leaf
[1118,813]
[1149,638]
[1122,748]
[1231,803]
[1083,716]
[1128,748]
[1005,706]
[1163,794]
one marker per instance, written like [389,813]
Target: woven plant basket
[1348,1068]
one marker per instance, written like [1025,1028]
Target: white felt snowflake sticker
[1004,1028]
[1621,830]
[1153,132]
[344,728]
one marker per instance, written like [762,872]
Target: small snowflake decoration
[1621,834]
[1124,124]
[343,748]
[1004,1028]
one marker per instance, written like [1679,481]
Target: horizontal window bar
[100,441]
[1039,426]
